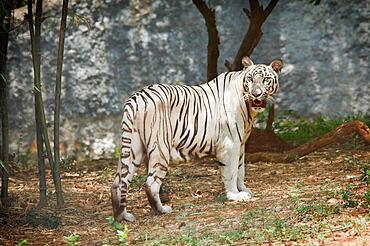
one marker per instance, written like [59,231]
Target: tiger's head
[261,82]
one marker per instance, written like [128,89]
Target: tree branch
[213,38]
[247,12]
[229,65]
[269,8]
[257,17]
[255,6]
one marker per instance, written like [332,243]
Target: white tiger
[177,123]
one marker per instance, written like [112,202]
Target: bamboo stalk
[36,55]
[58,86]
[39,139]
[40,161]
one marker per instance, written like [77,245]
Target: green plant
[3,166]
[138,181]
[366,174]
[298,187]
[24,158]
[121,231]
[348,159]
[230,237]
[106,242]
[73,239]
[220,218]
[22,242]
[366,199]
[261,225]
[262,117]
[358,224]
[315,209]
[36,219]
[296,129]
[347,197]
[122,235]
[182,215]
[117,152]
[115,225]
[4,78]
[221,198]
[106,174]
[68,164]
[77,19]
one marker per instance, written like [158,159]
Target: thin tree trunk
[5,146]
[213,38]
[5,16]
[58,83]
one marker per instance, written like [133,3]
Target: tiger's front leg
[241,173]
[228,154]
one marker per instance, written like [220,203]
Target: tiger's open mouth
[258,103]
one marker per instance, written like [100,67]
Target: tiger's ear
[277,65]
[246,62]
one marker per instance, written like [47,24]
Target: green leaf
[3,166]
[4,78]
[76,19]
[116,226]
[36,89]
[72,239]
[22,242]
[122,235]
[110,220]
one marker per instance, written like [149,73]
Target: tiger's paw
[245,189]
[165,209]
[241,196]
[126,216]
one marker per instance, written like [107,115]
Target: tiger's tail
[125,170]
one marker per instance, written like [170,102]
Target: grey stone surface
[131,44]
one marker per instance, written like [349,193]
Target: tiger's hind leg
[157,170]
[132,155]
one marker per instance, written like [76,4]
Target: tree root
[337,135]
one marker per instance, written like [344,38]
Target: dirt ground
[299,203]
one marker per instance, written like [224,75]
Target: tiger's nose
[256,93]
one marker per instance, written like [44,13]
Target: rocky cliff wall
[134,43]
